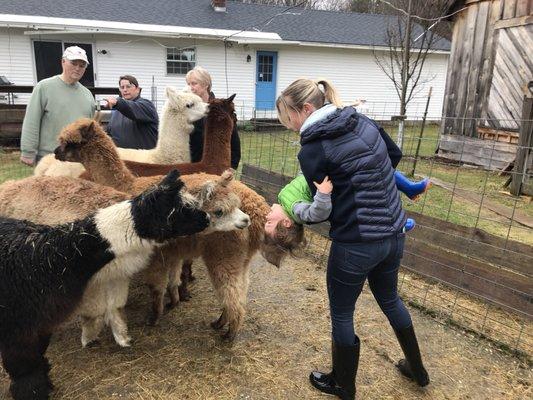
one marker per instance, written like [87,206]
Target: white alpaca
[176,124]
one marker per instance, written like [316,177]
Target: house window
[180,61]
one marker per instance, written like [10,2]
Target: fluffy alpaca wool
[44,271]
[227,255]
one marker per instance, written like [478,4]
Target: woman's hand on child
[326,187]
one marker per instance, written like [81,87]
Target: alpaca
[216,156]
[226,254]
[67,198]
[44,270]
[179,112]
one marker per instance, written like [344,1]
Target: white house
[252,50]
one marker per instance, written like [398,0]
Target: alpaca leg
[24,361]
[158,305]
[156,276]
[90,329]
[221,321]
[174,285]
[186,277]
[115,315]
[116,318]
[227,279]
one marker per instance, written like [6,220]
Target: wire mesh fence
[469,260]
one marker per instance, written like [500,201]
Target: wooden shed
[490,66]
[487,98]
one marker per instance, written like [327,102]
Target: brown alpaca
[54,200]
[226,255]
[216,158]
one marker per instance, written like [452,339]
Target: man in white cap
[55,102]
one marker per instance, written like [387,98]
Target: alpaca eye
[218,213]
[188,105]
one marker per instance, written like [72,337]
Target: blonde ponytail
[302,91]
[330,93]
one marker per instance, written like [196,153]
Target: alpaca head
[76,140]
[222,204]
[185,103]
[165,211]
[219,109]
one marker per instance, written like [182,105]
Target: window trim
[179,61]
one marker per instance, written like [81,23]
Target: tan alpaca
[53,200]
[227,255]
[179,112]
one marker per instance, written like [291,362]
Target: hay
[285,335]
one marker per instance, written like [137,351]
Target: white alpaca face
[186,102]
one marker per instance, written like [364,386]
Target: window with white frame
[180,61]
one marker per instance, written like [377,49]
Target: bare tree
[409,42]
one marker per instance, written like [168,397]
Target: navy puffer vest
[347,146]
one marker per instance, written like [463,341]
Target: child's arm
[320,208]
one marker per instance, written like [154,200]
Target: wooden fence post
[525,143]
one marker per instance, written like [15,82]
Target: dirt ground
[285,335]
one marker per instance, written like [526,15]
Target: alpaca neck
[115,224]
[106,168]
[217,141]
[173,140]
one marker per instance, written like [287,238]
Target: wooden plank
[519,20]
[491,45]
[473,243]
[509,10]
[523,9]
[522,39]
[524,150]
[506,290]
[473,102]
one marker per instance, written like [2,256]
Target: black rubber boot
[341,381]
[411,366]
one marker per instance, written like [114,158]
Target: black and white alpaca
[44,270]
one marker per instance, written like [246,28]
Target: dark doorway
[48,60]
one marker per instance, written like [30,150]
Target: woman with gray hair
[199,82]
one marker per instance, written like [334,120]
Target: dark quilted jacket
[349,148]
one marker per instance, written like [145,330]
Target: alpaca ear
[169,91]
[229,99]
[172,180]
[226,177]
[88,132]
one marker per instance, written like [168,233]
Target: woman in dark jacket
[199,81]
[367,223]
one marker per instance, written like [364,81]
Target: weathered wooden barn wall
[490,64]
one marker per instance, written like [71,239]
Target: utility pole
[405,74]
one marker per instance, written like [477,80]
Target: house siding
[353,71]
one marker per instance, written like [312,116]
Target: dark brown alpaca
[216,156]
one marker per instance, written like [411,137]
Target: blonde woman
[199,82]
[367,222]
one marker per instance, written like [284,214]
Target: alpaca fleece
[44,271]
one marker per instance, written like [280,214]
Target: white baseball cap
[75,53]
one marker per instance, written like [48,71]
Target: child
[367,223]
[297,206]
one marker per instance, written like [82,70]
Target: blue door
[265,80]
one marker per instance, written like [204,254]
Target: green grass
[11,167]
